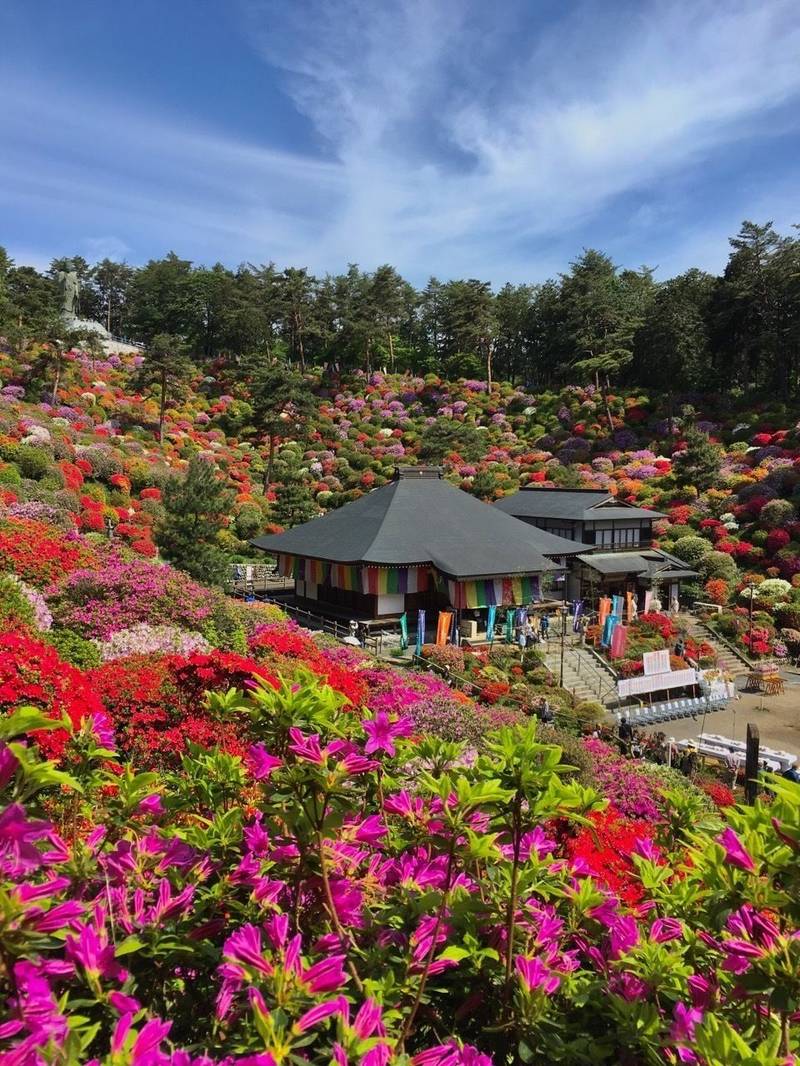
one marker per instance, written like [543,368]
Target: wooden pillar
[751,766]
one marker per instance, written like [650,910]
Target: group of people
[529,636]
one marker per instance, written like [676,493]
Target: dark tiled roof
[578,505]
[419,520]
[650,562]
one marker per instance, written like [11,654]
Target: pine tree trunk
[162,407]
[604,393]
[270,464]
[489,366]
[391,351]
[57,380]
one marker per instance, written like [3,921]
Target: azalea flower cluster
[345,890]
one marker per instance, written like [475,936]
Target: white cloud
[455,138]
[554,126]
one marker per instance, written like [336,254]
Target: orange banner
[443,626]
[603,611]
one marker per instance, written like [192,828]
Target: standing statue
[70,287]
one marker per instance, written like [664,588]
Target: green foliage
[197,507]
[691,549]
[447,435]
[74,648]
[698,463]
[15,608]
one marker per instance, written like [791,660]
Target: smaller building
[619,536]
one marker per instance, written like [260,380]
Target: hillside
[726,476]
[223,841]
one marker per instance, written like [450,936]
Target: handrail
[609,669]
[601,675]
[331,626]
[724,640]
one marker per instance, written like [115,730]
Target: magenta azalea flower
[535,975]
[735,853]
[382,732]
[261,763]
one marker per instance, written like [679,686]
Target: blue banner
[420,630]
[490,620]
[608,629]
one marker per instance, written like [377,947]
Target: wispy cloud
[454,137]
[539,129]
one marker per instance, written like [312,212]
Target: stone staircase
[584,676]
[730,661]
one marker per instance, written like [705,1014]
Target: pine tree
[294,503]
[698,464]
[282,403]
[196,509]
[167,365]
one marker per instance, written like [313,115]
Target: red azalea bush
[493,691]
[294,645]
[33,673]
[720,794]
[157,702]
[39,553]
[604,850]
[658,623]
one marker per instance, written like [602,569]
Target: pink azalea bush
[349,891]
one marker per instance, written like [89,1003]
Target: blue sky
[448,137]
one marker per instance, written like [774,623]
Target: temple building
[616,550]
[418,542]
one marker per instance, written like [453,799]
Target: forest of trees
[598,322]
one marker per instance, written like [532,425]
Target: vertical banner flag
[577,611]
[648,598]
[629,607]
[490,620]
[420,630]
[403,631]
[603,610]
[619,641]
[443,627]
[509,626]
[608,630]
[617,606]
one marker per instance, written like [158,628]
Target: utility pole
[751,588]
[564,609]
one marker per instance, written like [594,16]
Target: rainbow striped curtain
[313,570]
[345,577]
[500,592]
[288,565]
[386,581]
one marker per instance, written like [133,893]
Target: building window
[622,537]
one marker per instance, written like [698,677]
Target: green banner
[403,631]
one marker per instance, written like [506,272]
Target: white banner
[635,686]
[656,662]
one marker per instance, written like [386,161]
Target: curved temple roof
[421,519]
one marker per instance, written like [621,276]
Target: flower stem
[429,959]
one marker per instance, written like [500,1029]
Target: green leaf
[128,946]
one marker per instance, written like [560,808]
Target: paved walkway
[777,718]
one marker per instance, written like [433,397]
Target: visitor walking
[544,626]
[625,735]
